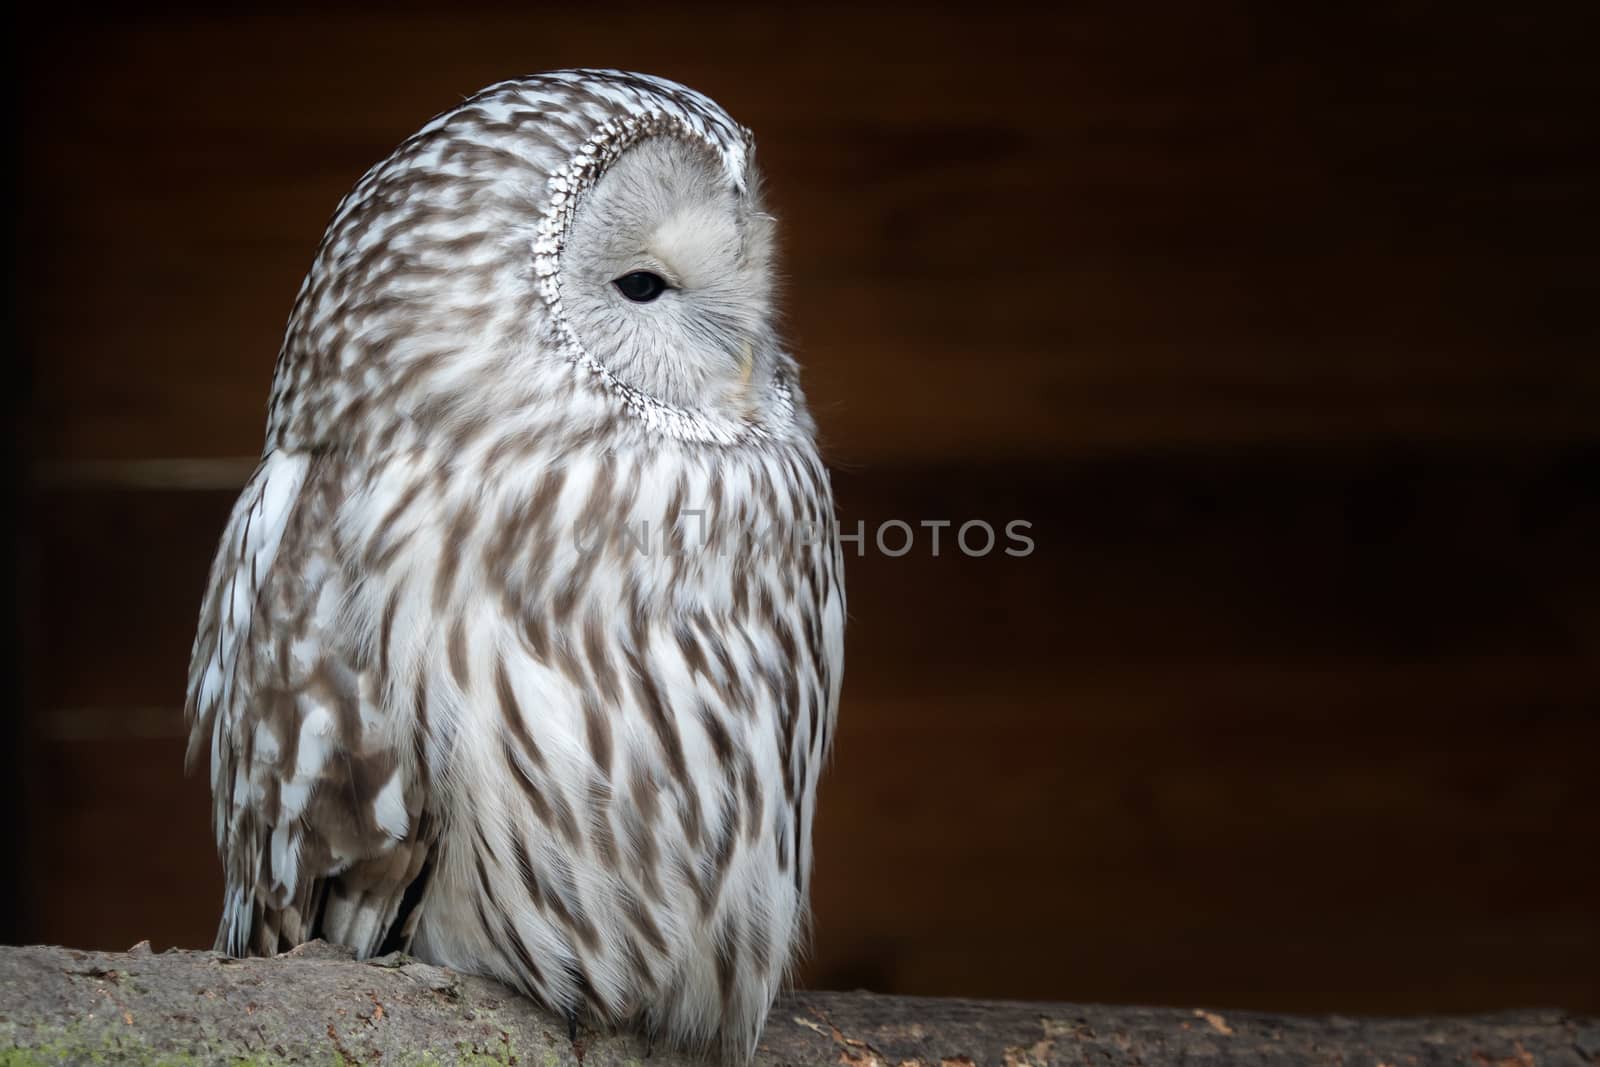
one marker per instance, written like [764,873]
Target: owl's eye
[641,286]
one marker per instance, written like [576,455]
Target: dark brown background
[1281,330]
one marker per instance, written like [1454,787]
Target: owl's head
[665,277]
[585,244]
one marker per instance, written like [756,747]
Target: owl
[522,648]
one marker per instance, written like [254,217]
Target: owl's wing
[320,802]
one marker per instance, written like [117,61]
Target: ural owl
[522,647]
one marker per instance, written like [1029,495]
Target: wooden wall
[1280,330]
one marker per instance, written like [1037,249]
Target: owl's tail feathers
[374,906]
[371,907]
[253,925]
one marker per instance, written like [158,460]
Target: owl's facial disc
[666,278]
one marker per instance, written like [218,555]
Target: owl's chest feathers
[612,607]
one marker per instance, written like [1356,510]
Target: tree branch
[317,1005]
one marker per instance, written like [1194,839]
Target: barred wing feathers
[320,801]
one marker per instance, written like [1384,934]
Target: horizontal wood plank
[1277,327]
[1032,234]
[1308,730]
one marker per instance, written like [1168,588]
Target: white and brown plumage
[453,701]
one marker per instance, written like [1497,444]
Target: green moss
[67,1050]
[94,1044]
[499,1054]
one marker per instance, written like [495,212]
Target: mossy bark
[317,1005]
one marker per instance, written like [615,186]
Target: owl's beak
[739,393]
[747,364]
